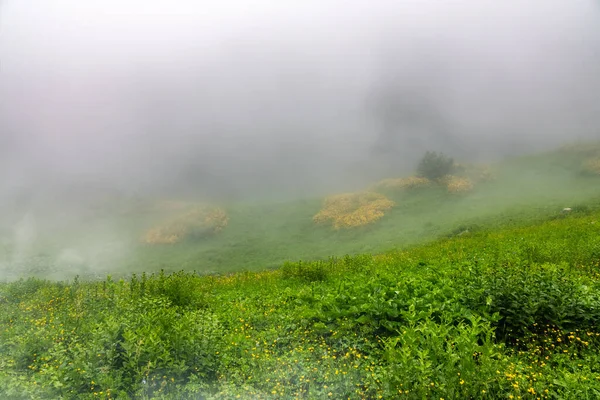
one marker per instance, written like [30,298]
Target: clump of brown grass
[457,184]
[197,220]
[592,166]
[350,210]
[475,172]
[412,182]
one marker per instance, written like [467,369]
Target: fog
[231,98]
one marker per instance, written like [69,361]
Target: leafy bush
[21,289]
[435,165]
[181,289]
[310,271]
[422,362]
[533,296]
[110,340]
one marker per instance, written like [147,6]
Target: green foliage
[180,289]
[123,339]
[530,296]
[311,272]
[493,314]
[435,165]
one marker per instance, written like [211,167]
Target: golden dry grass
[350,210]
[412,182]
[197,220]
[457,184]
[592,166]
[475,172]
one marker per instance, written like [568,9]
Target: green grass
[494,294]
[265,235]
[495,313]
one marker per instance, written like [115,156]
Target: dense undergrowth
[509,313]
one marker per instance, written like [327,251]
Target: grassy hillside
[265,235]
[498,313]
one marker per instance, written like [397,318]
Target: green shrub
[435,165]
[21,289]
[529,297]
[180,288]
[309,271]
[453,360]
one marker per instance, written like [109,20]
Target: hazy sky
[267,94]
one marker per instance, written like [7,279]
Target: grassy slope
[492,314]
[266,235]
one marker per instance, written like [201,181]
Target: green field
[266,234]
[492,294]
[493,314]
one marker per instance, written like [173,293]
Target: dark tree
[435,165]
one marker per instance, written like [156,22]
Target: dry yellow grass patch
[353,209]
[475,172]
[457,184]
[592,166]
[412,182]
[198,220]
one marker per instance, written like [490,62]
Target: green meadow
[266,234]
[490,294]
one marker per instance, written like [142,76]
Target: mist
[229,98]
[233,100]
